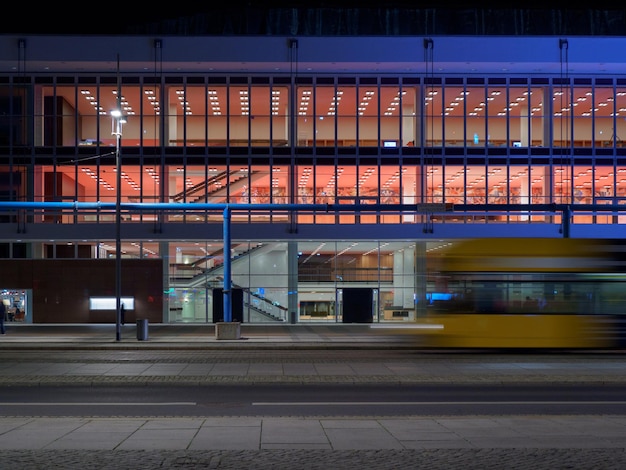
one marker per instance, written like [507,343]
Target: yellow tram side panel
[524,255]
[518,331]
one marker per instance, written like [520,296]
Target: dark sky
[54,18]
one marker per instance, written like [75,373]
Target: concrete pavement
[36,355]
[203,336]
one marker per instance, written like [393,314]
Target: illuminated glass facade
[468,135]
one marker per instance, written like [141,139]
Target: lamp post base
[228,330]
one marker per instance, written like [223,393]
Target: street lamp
[118,119]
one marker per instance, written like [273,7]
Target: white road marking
[421,403]
[174,403]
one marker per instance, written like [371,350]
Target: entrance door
[236,305]
[358,305]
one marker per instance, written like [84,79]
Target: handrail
[420,208]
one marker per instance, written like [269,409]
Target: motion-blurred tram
[529,293]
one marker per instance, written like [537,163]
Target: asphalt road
[329,400]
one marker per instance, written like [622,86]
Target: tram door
[236,305]
[357,305]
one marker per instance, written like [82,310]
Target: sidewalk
[195,336]
[293,354]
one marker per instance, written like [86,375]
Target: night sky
[114,18]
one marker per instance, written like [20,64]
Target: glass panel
[216,184]
[476,185]
[433,109]
[184,183]
[603,192]
[131,103]
[497,188]
[603,118]
[61,116]
[239,115]
[498,108]
[620,193]
[604,183]
[145,249]
[519,115]
[411,188]
[346,184]
[175,113]
[150,118]
[191,261]
[408,113]
[205,185]
[89,112]
[390,176]
[562,184]
[539,131]
[519,184]
[39,118]
[96,183]
[391,105]
[261,106]
[317,303]
[582,185]
[238,183]
[187,183]
[105,102]
[434,184]
[454,189]
[305,122]
[620,120]
[324,190]
[305,191]
[243,183]
[454,115]
[264,281]
[540,184]
[583,110]
[367,191]
[280,184]
[195,113]
[325,111]
[345,107]
[150,185]
[217,120]
[16,106]
[561,102]
[280,116]
[368,118]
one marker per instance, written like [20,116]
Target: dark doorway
[236,304]
[358,305]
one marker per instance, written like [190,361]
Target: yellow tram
[528,293]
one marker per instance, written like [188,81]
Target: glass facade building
[345,161]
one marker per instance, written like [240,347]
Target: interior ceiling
[350,100]
[307,249]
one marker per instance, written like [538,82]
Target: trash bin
[142,329]
[293,318]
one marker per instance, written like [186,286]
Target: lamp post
[117,120]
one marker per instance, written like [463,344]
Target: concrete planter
[228,330]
